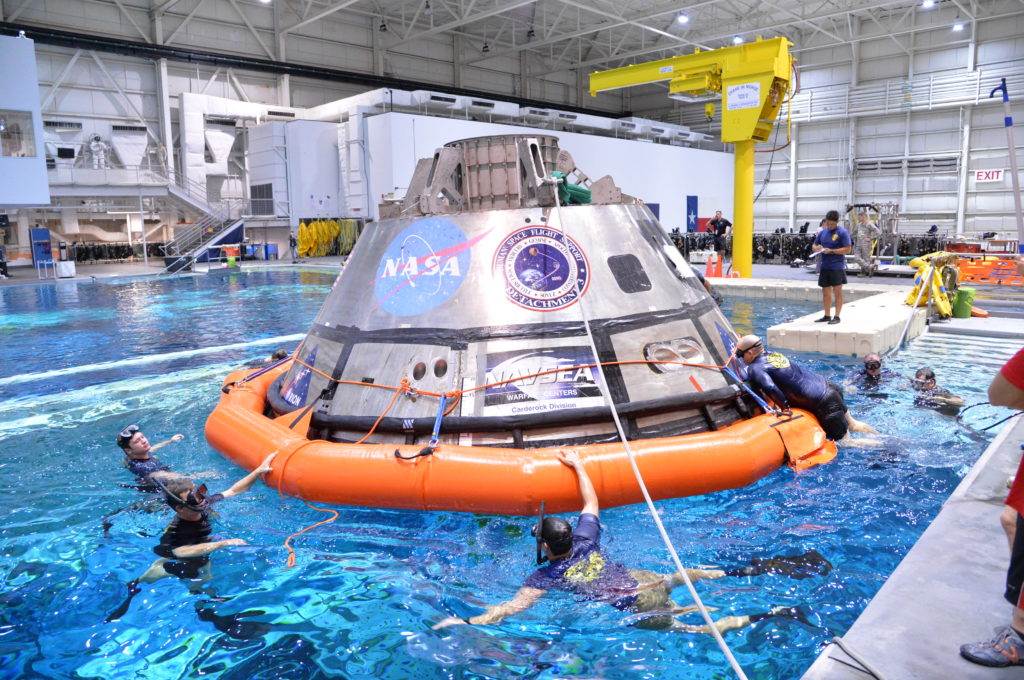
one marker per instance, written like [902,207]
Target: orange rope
[510,380]
[287,541]
[280,493]
[404,388]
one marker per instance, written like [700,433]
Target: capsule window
[419,370]
[629,273]
[440,368]
[678,353]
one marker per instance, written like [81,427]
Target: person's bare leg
[695,575]
[1008,519]
[859,425]
[155,572]
[839,300]
[826,300]
[724,625]
[861,442]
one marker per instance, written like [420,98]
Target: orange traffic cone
[718,267]
[707,270]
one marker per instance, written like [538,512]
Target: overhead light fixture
[486,48]
[737,40]
[928,4]
[427,11]
[683,18]
[265,2]
[383,28]
[958,26]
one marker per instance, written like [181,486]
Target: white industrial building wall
[655,173]
[341,40]
[826,174]
[22,161]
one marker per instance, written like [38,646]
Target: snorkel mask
[195,500]
[536,532]
[873,365]
[124,437]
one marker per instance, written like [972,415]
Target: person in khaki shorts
[578,565]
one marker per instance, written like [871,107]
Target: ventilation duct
[219,140]
[129,143]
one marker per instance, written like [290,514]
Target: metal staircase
[218,220]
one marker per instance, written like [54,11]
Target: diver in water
[139,458]
[185,545]
[578,565]
[789,384]
[870,378]
[930,395]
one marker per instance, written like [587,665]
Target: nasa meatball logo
[423,267]
[543,269]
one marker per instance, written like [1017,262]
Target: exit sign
[988,175]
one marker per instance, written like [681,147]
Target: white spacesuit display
[98,148]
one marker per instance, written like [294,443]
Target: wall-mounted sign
[743,96]
[988,175]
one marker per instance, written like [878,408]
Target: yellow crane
[752,80]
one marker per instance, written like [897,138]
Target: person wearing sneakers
[578,565]
[832,244]
[1007,647]
[722,228]
[787,383]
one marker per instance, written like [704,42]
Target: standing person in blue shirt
[788,384]
[579,566]
[833,243]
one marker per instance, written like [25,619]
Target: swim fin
[811,563]
[122,609]
[232,625]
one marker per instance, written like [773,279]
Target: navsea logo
[423,267]
[543,269]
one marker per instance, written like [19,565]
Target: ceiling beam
[710,39]
[466,18]
[318,16]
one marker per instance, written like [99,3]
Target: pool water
[82,360]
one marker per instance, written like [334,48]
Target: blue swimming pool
[81,360]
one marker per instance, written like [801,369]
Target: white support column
[164,107]
[458,47]
[792,172]
[966,113]
[284,82]
[851,188]
[142,227]
[524,80]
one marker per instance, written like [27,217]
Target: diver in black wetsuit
[930,395]
[139,458]
[185,545]
[870,378]
[789,384]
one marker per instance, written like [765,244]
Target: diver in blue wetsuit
[788,384]
[578,565]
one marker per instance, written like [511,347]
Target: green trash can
[963,302]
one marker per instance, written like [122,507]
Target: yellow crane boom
[752,80]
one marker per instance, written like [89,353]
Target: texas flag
[691,213]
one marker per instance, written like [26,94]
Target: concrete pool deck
[947,591]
